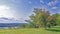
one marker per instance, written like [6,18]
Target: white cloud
[7,11]
[54,8]
[53,3]
[4,8]
[41,1]
[10,20]
[13,0]
[30,2]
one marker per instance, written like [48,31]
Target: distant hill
[10,24]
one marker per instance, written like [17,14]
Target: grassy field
[30,31]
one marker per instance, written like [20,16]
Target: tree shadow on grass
[53,30]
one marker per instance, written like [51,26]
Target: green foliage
[42,18]
[58,19]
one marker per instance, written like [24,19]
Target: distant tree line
[43,18]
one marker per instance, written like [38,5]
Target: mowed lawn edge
[27,31]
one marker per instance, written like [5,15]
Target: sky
[12,11]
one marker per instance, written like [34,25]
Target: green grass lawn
[30,31]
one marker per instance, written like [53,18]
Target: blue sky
[20,10]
